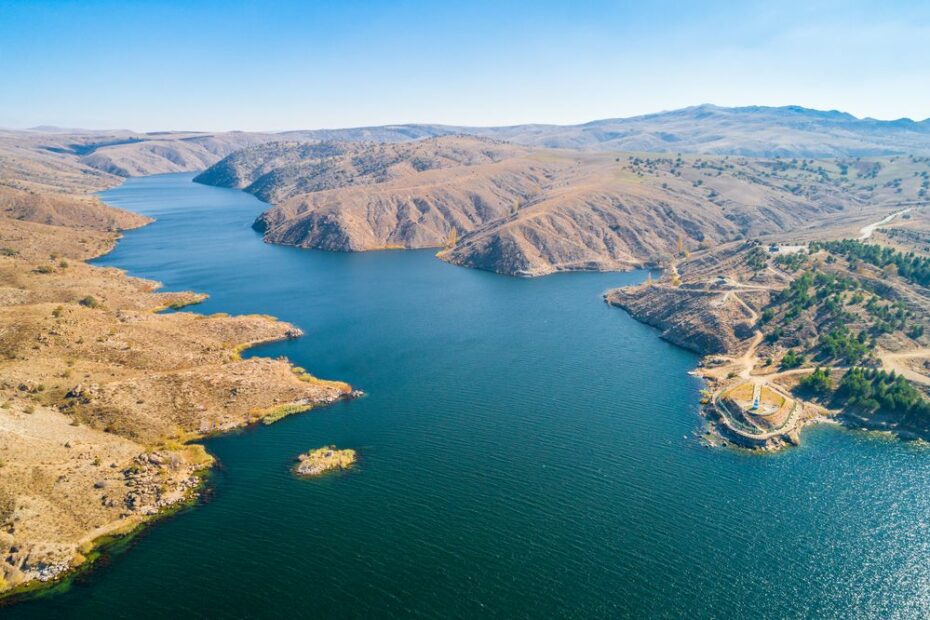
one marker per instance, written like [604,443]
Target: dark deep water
[526,451]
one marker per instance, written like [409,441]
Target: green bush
[818,382]
[792,360]
[872,390]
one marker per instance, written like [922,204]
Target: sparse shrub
[89,302]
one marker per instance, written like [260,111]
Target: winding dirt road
[866,231]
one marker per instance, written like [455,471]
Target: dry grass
[99,399]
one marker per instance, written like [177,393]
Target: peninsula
[792,332]
[101,395]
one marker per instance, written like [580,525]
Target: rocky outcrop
[318,462]
[704,321]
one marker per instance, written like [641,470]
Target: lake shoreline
[183,491]
[518,430]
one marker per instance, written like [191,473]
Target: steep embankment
[704,321]
[526,211]
[708,303]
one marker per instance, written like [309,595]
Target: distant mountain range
[759,131]
[755,131]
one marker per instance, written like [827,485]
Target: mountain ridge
[522,210]
[756,131]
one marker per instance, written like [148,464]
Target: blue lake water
[525,451]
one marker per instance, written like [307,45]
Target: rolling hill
[531,211]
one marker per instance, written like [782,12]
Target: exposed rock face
[706,313]
[703,321]
[526,211]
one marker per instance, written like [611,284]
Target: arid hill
[57,161]
[99,392]
[71,211]
[527,211]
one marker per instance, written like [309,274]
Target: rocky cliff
[704,321]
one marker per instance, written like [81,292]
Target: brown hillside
[527,211]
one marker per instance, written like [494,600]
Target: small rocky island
[318,462]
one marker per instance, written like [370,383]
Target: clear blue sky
[265,65]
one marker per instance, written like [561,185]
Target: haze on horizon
[291,65]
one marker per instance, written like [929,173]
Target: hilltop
[530,211]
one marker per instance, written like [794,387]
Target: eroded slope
[525,211]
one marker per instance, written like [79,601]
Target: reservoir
[525,451]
